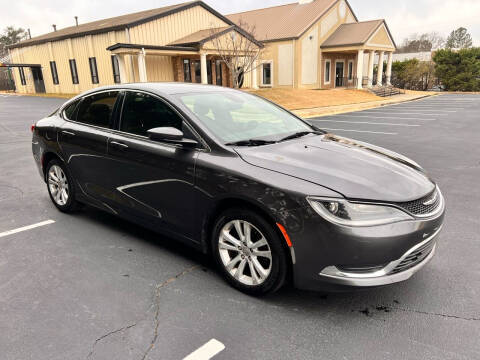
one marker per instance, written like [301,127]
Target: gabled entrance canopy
[360,37]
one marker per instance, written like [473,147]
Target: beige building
[309,44]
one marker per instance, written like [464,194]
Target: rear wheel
[249,252]
[60,186]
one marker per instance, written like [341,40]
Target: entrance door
[338,74]
[38,79]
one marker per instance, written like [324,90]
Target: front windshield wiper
[300,134]
[251,142]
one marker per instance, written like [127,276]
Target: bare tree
[238,49]
[422,42]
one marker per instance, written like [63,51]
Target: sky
[403,17]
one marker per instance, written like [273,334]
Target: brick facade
[178,74]
[333,57]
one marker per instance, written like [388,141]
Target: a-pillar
[203,68]
[122,69]
[371,61]
[380,68]
[142,67]
[389,68]
[359,69]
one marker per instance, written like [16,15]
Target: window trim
[73,66]
[203,145]
[53,70]
[92,62]
[116,76]
[329,62]
[21,72]
[271,73]
[350,73]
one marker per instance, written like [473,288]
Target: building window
[93,69]
[116,69]
[350,70]
[53,69]
[327,71]
[22,76]
[73,70]
[218,72]
[267,74]
[197,71]
[187,75]
[209,72]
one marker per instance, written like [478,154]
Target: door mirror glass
[165,133]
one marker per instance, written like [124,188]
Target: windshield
[235,116]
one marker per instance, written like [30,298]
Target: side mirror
[170,134]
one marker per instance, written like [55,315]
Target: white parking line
[207,351]
[401,113]
[361,131]
[367,122]
[386,117]
[24,228]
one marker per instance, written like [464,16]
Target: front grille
[415,257]
[418,207]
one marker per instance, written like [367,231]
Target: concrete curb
[357,107]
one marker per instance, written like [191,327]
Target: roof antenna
[76,20]
[54,27]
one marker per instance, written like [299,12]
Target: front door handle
[118,145]
[68,133]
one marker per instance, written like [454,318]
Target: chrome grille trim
[427,206]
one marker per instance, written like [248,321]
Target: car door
[83,140]
[153,181]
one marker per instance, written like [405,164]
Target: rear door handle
[68,133]
[118,145]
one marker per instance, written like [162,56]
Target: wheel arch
[46,158]
[237,202]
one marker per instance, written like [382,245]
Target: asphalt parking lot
[91,286]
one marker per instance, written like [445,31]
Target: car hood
[355,169]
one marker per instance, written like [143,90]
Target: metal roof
[116,23]
[288,21]
[354,33]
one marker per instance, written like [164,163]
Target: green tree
[459,39]
[413,74]
[458,70]
[10,35]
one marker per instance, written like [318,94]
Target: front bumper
[338,258]
[413,260]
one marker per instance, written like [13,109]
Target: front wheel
[60,186]
[249,252]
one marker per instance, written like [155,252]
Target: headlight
[343,212]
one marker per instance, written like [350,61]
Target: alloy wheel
[58,185]
[245,252]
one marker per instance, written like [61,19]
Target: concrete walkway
[338,109]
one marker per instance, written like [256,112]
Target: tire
[58,178]
[229,249]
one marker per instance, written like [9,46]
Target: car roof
[164,88]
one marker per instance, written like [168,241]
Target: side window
[97,109]
[142,112]
[69,112]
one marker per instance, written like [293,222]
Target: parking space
[91,286]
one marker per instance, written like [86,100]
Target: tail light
[32,128]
